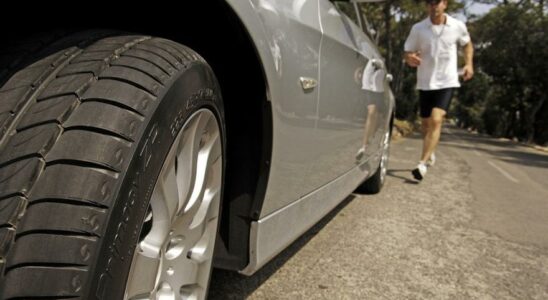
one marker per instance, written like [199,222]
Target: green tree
[510,49]
[472,97]
[507,96]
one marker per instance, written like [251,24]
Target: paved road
[475,228]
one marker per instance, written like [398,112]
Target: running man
[431,47]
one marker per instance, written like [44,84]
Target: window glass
[348,9]
[371,14]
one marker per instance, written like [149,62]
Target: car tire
[111,150]
[374,184]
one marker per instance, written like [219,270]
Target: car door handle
[308,83]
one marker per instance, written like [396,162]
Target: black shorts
[434,98]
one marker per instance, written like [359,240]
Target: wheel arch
[214,30]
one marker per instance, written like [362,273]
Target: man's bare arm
[468,69]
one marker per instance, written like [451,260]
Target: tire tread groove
[42,297]
[83,164]
[20,158]
[144,89]
[155,54]
[56,233]
[177,63]
[148,60]
[99,131]
[115,103]
[140,70]
[67,202]
[45,265]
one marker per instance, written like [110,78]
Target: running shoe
[419,171]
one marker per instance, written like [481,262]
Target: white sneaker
[419,171]
[432,160]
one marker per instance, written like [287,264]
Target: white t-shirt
[437,45]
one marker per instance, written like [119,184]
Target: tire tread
[56,191]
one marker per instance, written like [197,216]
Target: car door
[295,34]
[351,93]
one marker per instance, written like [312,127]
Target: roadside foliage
[507,95]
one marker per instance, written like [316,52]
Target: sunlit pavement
[475,228]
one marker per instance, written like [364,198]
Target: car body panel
[269,235]
[316,132]
[289,37]
[342,111]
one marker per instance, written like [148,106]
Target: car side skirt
[273,233]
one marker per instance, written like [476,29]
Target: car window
[368,11]
[348,9]
[361,20]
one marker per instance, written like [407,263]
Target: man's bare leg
[433,133]
[431,130]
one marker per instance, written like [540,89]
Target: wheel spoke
[209,211]
[200,233]
[164,207]
[191,235]
[185,208]
[210,203]
[214,190]
[192,224]
[203,250]
[209,155]
[206,138]
[141,287]
[192,292]
[188,149]
[170,192]
[165,292]
[185,271]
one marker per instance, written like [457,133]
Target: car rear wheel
[111,170]
[374,184]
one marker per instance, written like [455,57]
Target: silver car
[213,134]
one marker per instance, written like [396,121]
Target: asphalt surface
[475,228]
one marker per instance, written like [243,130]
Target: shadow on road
[232,285]
[394,173]
[529,159]
[504,150]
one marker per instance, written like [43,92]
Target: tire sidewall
[194,88]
